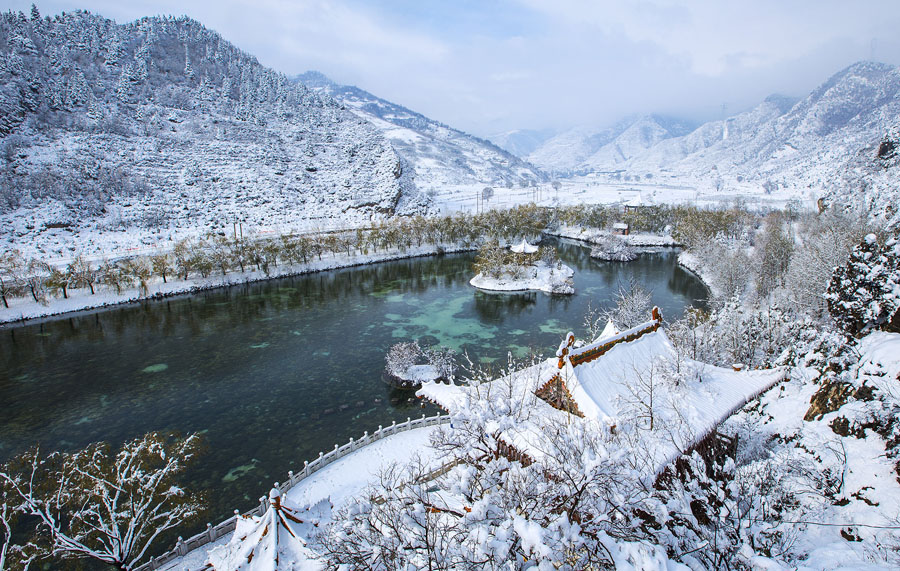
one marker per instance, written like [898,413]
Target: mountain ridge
[823,145]
[439,154]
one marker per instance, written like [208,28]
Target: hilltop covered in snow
[440,155]
[139,133]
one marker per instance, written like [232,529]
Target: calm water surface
[274,372]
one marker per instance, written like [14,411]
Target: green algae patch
[157,368]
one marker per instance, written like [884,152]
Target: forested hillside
[128,132]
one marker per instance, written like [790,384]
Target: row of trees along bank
[218,253]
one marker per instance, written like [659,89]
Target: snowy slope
[159,128]
[584,149]
[824,145]
[521,142]
[439,155]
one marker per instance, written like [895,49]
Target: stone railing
[215,532]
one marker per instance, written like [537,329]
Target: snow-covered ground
[866,505]
[540,277]
[597,189]
[339,481]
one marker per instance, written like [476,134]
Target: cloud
[503,64]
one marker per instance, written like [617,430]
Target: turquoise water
[274,372]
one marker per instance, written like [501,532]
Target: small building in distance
[620,228]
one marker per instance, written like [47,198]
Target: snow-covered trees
[573,509]
[613,249]
[102,504]
[10,279]
[864,293]
[409,364]
[632,307]
[825,242]
[773,255]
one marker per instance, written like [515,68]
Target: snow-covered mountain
[522,142]
[158,128]
[824,145]
[585,149]
[440,155]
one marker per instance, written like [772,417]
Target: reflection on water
[274,372]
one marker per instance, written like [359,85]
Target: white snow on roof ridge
[523,247]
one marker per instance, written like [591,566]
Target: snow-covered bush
[409,364]
[864,293]
[401,356]
[613,249]
[573,509]
[101,504]
[633,304]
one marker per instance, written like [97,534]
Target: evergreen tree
[864,293]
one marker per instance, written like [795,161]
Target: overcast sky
[491,65]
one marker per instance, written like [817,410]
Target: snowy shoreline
[691,263]
[643,242]
[24,310]
[541,278]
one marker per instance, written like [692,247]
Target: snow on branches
[864,293]
[99,504]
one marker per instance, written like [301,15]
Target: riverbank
[642,241]
[23,309]
[692,263]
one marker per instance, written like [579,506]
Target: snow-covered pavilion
[598,383]
[275,541]
[523,247]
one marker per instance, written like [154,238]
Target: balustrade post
[179,546]
[210,534]
[305,468]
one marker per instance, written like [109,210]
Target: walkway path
[340,481]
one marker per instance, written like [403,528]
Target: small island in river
[523,267]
